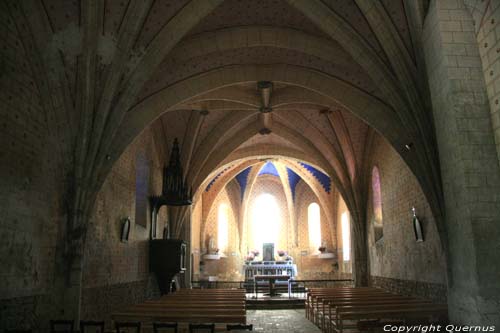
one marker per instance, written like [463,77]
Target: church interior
[211,162]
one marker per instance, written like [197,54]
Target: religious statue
[212,249]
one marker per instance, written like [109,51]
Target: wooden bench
[313,297]
[332,306]
[423,313]
[333,318]
[338,309]
[189,306]
[327,313]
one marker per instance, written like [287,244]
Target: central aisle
[280,321]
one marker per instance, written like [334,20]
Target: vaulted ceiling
[236,81]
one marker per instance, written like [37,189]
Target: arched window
[266,220]
[222,227]
[314,224]
[377,204]
[346,236]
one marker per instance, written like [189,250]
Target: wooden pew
[345,317]
[189,306]
[332,307]
[314,295]
[314,292]
[338,309]
[328,311]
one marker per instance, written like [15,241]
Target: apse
[279,204]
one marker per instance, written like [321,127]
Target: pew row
[348,309]
[186,306]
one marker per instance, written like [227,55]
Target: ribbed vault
[340,72]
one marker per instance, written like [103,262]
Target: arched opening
[377,204]
[346,236]
[223,227]
[265,221]
[314,225]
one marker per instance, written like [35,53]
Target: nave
[154,148]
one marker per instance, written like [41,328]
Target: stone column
[187,237]
[359,250]
[469,165]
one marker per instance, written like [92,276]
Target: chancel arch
[356,100]
[273,200]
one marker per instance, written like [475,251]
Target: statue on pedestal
[212,249]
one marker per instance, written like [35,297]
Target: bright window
[314,224]
[346,236]
[377,204]
[223,227]
[266,220]
[377,195]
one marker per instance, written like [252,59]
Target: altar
[272,279]
[253,268]
[271,273]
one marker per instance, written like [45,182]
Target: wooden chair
[123,327]
[201,328]
[97,325]
[60,326]
[239,327]
[161,327]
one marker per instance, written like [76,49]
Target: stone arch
[373,111]
[289,157]
[234,213]
[242,136]
[477,10]
[232,124]
[396,83]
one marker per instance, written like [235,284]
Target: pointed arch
[314,225]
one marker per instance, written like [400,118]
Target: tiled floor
[280,321]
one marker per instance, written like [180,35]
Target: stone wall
[99,302]
[31,179]
[116,273]
[486,15]
[397,255]
[436,292]
[469,162]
